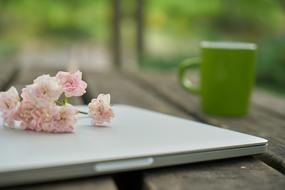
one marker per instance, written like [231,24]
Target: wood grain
[273,103]
[124,91]
[226,174]
[239,173]
[91,183]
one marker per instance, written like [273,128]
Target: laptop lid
[133,134]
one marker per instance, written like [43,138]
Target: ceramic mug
[227,73]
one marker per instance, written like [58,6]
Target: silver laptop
[136,139]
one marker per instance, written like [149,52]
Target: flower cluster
[42,106]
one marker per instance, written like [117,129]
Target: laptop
[136,139]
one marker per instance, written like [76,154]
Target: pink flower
[9,104]
[36,118]
[25,114]
[9,100]
[41,110]
[72,83]
[100,110]
[52,118]
[65,119]
[43,91]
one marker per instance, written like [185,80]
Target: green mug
[227,73]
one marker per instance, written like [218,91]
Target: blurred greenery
[173,29]
[191,21]
[57,20]
[271,62]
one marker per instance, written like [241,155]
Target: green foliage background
[173,29]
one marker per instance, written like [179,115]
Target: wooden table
[160,92]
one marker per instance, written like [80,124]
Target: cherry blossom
[43,91]
[72,83]
[9,104]
[44,105]
[100,110]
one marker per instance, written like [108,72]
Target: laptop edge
[113,166]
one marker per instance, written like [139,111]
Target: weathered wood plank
[239,173]
[258,122]
[8,73]
[249,172]
[98,183]
[124,92]
[273,103]
[25,77]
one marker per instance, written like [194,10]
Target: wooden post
[140,28]
[116,33]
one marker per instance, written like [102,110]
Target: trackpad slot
[123,164]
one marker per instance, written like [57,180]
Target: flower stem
[82,112]
[65,100]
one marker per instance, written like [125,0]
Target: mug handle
[181,72]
